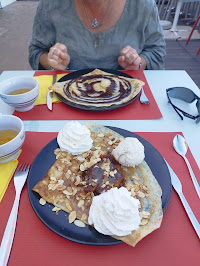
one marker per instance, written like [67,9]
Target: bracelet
[51,67]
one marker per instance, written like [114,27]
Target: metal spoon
[181,147]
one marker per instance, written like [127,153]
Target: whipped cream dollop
[74,138]
[129,152]
[115,212]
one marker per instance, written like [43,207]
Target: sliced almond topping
[78,179]
[62,187]
[84,217]
[81,203]
[67,175]
[145,214]
[93,184]
[68,206]
[69,189]
[51,186]
[53,178]
[58,155]
[80,158]
[82,167]
[136,188]
[42,201]
[144,221]
[60,182]
[57,150]
[56,209]
[141,194]
[74,191]
[132,192]
[53,182]
[136,178]
[145,188]
[72,217]
[61,200]
[79,223]
[66,192]
[84,154]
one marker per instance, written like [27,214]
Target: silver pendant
[95,24]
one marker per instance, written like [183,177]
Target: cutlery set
[181,147]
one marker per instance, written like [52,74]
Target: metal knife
[50,94]
[178,188]
[49,99]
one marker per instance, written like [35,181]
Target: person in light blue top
[112,34]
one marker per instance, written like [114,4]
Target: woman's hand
[129,59]
[58,58]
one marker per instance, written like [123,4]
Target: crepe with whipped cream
[74,180]
[99,89]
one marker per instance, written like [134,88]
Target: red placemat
[61,111]
[175,243]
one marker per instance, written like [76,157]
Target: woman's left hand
[129,59]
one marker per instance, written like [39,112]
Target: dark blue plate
[81,72]
[59,223]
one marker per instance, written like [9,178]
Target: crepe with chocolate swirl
[99,89]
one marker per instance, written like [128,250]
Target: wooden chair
[198,51]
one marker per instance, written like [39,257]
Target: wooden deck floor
[183,57]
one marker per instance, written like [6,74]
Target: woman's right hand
[58,58]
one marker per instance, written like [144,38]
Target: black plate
[59,223]
[78,73]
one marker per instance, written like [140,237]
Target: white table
[158,81]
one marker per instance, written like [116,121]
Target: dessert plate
[59,223]
[78,73]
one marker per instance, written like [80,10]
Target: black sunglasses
[187,96]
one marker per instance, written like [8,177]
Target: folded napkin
[45,81]
[6,172]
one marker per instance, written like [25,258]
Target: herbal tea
[7,135]
[20,91]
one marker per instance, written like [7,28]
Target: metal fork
[6,244]
[50,94]
[143,98]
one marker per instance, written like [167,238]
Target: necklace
[94,24]
[95,41]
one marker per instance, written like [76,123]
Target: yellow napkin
[45,81]
[6,172]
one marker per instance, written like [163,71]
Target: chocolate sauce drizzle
[96,179]
[89,95]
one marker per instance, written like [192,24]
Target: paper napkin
[6,172]
[45,81]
